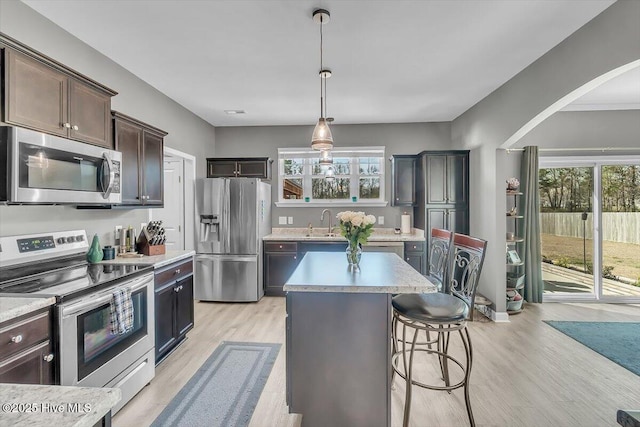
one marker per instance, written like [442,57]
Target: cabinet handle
[407,259]
[295,257]
[66,125]
[177,271]
[17,339]
[75,127]
[181,287]
[176,289]
[397,199]
[48,357]
[280,246]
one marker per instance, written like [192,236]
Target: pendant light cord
[321,65]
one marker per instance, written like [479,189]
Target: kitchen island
[339,337]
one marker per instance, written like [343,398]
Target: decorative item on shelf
[95,251]
[513,184]
[514,300]
[109,253]
[510,235]
[513,257]
[152,238]
[513,211]
[356,227]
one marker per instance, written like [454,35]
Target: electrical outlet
[380,220]
[290,220]
[282,220]
[118,228]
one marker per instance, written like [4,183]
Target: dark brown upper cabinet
[403,176]
[239,167]
[142,161]
[41,94]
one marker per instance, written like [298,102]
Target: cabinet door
[436,179]
[414,259]
[403,172]
[89,115]
[128,139]
[29,367]
[36,95]
[457,178]
[278,268]
[221,168]
[184,306]
[152,169]
[252,169]
[457,220]
[165,318]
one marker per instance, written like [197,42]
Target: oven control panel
[42,246]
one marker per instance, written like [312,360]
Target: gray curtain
[533,285]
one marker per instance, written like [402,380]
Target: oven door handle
[112,176]
[97,300]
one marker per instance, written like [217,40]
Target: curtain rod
[602,149]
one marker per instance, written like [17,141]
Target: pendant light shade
[322,138]
[330,174]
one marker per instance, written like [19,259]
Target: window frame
[354,176]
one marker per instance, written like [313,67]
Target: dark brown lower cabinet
[280,259]
[173,306]
[26,353]
[414,254]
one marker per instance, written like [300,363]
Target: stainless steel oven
[46,169]
[92,356]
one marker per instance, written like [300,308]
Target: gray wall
[586,129]
[187,132]
[609,41]
[408,138]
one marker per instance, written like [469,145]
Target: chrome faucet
[330,216]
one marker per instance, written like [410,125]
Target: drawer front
[173,272]
[280,247]
[23,334]
[413,246]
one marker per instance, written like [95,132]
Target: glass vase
[354,253]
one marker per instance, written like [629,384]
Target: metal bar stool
[441,313]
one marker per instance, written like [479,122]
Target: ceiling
[392,61]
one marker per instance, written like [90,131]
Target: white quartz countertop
[155,260]
[12,307]
[319,235]
[379,273]
[53,405]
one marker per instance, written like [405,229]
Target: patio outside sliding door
[566,224]
[590,228]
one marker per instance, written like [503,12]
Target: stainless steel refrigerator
[232,217]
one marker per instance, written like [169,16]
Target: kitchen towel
[405,224]
[121,306]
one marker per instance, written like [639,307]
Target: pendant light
[326,158]
[322,138]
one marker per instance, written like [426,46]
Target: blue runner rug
[226,388]
[617,341]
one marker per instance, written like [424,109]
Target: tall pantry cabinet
[442,192]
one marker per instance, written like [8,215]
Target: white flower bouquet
[356,226]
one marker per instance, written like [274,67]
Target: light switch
[282,220]
[380,220]
[290,220]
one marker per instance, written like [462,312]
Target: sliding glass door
[590,228]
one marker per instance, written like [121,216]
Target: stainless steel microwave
[37,168]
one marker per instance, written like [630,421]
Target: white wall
[407,138]
[609,41]
[187,132]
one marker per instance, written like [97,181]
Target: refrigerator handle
[226,213]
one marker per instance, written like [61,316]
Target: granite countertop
[378,235]
[53,405]
[379,273]
[155,260]
[12,307]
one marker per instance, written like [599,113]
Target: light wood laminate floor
[525,373]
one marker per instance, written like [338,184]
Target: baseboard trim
[496,316]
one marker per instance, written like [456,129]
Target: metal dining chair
[439,257]
[441,313]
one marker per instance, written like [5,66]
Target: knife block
[147,249]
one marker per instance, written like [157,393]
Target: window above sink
[358,177]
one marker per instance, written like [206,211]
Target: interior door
[172,214]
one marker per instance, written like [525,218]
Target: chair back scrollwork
[439,251]
[467,257]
